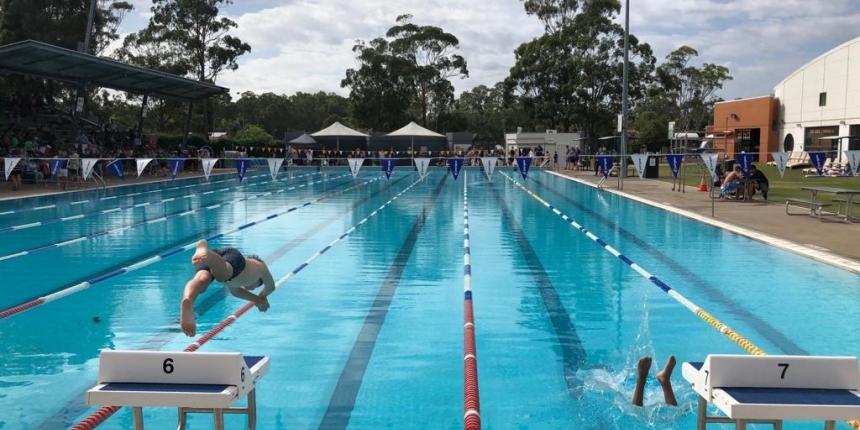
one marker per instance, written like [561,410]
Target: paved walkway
[834,242]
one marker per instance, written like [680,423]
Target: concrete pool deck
[831,241]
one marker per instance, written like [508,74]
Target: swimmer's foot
[186,318]
[202,252]
[665,378]
[642,369]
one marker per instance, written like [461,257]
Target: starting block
[772,388]
[193,382]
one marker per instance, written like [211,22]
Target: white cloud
[303,45]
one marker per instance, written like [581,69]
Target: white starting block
[194,382]
[773,388]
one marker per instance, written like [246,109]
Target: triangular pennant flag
[817,159]
[141,164]
[355,165]
[523,163]
[639,161]
[605,164]
[116,167]
[454,165]
[208,164]
[781,160]
[56,164]
[88,164]
[242,167]
[853,159]
[275,166]
[10,163]
[176,164]
[674,161]
[489,165]
[745,160]
[388,166]
[710,160]
[421,164]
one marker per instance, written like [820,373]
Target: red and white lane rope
[99,416]
[471,400]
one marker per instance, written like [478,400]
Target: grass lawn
[780,187]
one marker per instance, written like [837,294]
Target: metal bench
[774,388]
[814,206]
[193,382]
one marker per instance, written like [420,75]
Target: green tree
[691,90]
[409,72]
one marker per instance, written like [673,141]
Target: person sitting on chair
[732,183]
[758,181]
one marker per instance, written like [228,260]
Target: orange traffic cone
[702,185]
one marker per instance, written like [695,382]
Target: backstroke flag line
[524,163]
[388,166]
[853,157]
[275,166]
[141,164]
[710,160]
[605,163]
[817,159]
[88,164]
[56,164]
[10,163]
[176,164]
[639,161]
[242,167]
[674,161]
[355,165]
[208,164]
[781,160]
[421,164]
[489,165]
[455,164]
[116,167]
[745,160]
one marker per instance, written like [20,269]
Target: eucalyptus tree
[570,77]
[410,71]
[691,90]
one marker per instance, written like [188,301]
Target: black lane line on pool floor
[712,292]
[572,352]
[77,406]
[342,401]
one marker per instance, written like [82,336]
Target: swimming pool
[369,334]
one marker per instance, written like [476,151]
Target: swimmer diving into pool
[240,274]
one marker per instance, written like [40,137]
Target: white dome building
[819,104]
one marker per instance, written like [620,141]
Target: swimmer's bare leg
[193,288]
[220,269]
[665,378]
[641,374]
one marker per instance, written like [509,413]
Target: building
[550,141]
[816,108]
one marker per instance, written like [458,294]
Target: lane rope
[98,417]
[157,220]
[151,260]
[122,208]
[471,398]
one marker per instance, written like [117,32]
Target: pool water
[369,334]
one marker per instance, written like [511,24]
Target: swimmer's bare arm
[261,301]
[269,282]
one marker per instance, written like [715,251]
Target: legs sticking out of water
[664,377]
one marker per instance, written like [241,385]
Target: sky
[306,46]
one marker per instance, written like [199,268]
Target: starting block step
[193,382]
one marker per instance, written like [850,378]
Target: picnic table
[815,204]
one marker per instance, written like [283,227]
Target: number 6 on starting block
[197,382]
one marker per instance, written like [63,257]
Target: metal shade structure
[40,59]
[413,130]
[337,130]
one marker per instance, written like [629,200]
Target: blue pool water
[560,322]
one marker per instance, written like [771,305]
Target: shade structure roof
[304,139]
[40,59]
[414,130]
[338,129]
